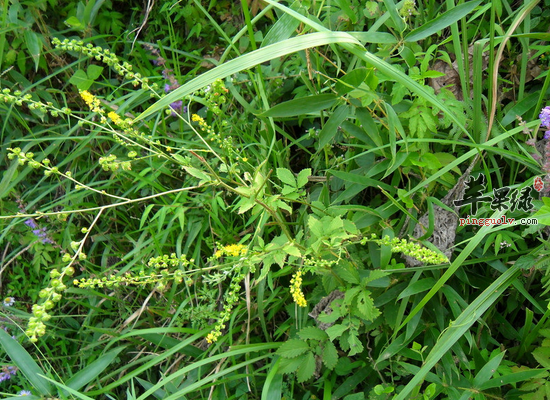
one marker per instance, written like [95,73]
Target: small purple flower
[177,108]
[547,134]
[545,117]
[41,234]
[31,224]
[176,105]
[38,232]
[158,61]
[24,393]
[7,372]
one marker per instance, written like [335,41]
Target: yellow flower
[296,289]
[196,118]
[91,101]
[210,337]
[213,336]
[234,250]
[115,118]
[245,159]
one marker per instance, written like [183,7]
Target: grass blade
[250,60]
[441,22]
[459,327]
[93,370]
[25,363]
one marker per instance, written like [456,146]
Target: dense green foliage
[255,200]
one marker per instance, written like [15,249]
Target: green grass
[305,128]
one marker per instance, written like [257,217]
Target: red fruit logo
[539,184]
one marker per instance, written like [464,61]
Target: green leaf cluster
[303,354]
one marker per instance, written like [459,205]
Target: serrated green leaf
[371,9]
[246,204]
[336,224]
[315,226]
[330,318]
[280,258]
[355,345]
[292,250]
[281,204]
[432,162]
[350,295]
[398,93]
[542,355]
[286,176]
[289,365]
[312,332]
[374,275]
[365,305]
[288,190]
[329,355]
[350,227]
[347,272]
[292,348]
[303,177]
[336,331]
[306,368]
[329,282]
